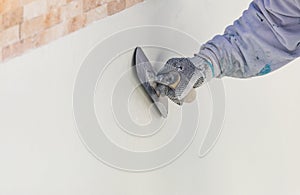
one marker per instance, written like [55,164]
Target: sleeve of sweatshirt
[265,38]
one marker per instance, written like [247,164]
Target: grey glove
[179,76]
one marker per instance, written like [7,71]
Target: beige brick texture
[12,18]
[34,9]
[1,26]
[24,2]
[130,3]
[9,36]
[1,58]
[28,24]
[76,23]
[55,3]
[72,9]
[53,17]
[52,34]
[89,4]
[18,48]
[32,27]
[115,6]
[96,14]
[8,5]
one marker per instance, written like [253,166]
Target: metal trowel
[147,77]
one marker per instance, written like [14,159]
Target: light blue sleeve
[265,38]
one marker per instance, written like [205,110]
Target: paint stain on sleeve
[265,70]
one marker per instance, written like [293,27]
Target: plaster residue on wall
[27,24]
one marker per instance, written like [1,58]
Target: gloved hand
[179,76]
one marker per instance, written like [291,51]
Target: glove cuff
[206,66]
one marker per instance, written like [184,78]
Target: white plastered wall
[41,152]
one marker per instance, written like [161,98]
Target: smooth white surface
[41,153]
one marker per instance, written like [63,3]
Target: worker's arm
[265,38]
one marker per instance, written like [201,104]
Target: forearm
[264,39]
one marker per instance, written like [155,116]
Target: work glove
[179,76]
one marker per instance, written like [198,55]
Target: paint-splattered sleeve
[265,38]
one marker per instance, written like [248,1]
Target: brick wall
[28,24]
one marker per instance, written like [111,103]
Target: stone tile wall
[28,24]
